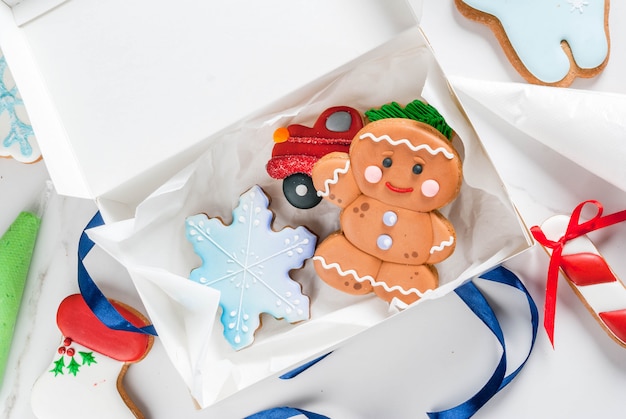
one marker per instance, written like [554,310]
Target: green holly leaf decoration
[88,358]
[58,367]
[73,367]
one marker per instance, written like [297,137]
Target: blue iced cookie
[549,42]
[249,263]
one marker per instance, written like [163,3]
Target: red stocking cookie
[398,172]
[85,376]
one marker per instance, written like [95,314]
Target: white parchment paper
[587,127]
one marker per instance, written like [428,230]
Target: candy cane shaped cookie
[585,269]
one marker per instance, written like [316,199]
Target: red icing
[76,321]
[61,350]
[305,145]
[319,128]
[586,269]
[281,167]
[397,189]
[616,322]
[317,147]
[70,352]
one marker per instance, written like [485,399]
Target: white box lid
[122,94]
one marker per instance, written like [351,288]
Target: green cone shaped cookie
[16,250]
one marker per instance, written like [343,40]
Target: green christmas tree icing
[73,367]
[58,367]
[87,358]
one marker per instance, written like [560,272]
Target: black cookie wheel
[300,192]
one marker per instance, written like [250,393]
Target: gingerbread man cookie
[398,173]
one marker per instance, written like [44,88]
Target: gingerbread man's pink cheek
[430,188]
[373,174]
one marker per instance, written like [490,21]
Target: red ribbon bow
[574,229]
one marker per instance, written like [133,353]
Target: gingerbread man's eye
[417,169]
[387,162]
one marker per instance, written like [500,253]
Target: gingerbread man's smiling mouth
[397,189]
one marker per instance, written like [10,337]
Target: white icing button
[384,242]
[390,218]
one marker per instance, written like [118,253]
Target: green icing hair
[416,110]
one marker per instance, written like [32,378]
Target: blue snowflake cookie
[249,263]
[17,138]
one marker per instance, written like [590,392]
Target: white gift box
[154,249]
[124,121]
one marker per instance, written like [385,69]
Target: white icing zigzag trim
[334,180]
[442,245]
[368,278]
[406,142]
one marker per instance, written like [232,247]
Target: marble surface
[584,376]
[51,278]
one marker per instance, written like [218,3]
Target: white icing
[301,190]
[604,297]
[368,278]
[385,137]
[334,180]
[92,393]
[554,228]
[578,5]
[442,245]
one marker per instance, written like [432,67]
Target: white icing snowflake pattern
[249,264]
[578,5]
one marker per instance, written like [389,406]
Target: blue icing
[536,28]
[249,264]
[384,242]
[19,131]
[390,218]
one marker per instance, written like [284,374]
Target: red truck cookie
[298,147]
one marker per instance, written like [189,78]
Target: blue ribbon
[285,413]
[479,305]
[298,370]
[475,300]
[95,299]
